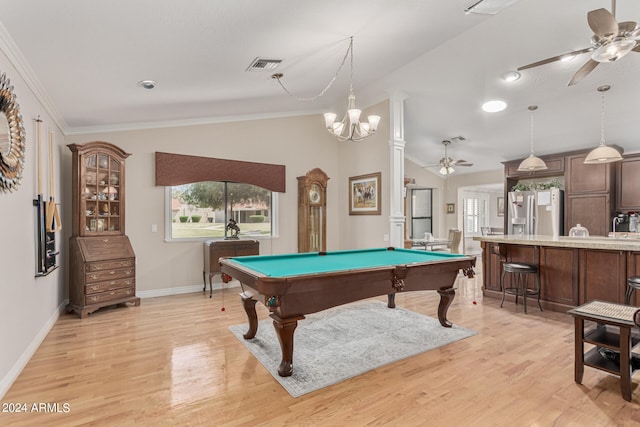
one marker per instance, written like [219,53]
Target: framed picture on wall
[451,208]
[365,194]
[500,206]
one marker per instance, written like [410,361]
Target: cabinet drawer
[104,275]
[110,265]
[110,295]
[109,285]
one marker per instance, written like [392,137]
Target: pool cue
[53,217]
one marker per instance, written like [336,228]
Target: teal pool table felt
[315,263]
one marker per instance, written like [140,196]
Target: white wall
[29,305]
[301,143]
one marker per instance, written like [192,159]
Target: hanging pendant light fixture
[532,163]
[603,153]
[350,128]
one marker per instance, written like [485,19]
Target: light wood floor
[172,361]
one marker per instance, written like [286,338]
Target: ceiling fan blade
[464,164]
[583,72]
[602,23]
[637,48]
[555,58]
[626,27]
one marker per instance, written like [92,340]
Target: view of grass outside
[202,210]
[190,230]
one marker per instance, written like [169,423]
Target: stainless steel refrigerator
[536,212]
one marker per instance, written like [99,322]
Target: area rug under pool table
[346,341]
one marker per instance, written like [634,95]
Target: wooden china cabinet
[101,261]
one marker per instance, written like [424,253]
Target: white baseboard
[184,290]
[24,358]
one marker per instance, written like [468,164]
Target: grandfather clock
[312,211]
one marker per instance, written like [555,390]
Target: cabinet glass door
[100,198]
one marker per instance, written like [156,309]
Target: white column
[396,181]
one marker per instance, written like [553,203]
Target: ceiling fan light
[602,154]
[446,170]
[532,163]
[614,50]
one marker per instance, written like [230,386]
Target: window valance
[178,169]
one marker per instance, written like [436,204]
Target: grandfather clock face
[315,194]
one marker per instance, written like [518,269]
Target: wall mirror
[12,145]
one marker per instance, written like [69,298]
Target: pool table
[293,285]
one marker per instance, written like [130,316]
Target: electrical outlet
[154,228]
[385,237]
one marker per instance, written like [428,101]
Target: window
[203,209]
[475,214]
[421,212]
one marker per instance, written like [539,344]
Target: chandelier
[350,128]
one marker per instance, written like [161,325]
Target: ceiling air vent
[262,64]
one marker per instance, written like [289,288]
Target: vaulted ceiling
[84,58]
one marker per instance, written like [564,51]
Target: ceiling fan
[610,41]
[447,164]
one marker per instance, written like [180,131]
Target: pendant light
[532,163]
[603,153]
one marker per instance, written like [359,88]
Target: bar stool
[633,283]
[520,287]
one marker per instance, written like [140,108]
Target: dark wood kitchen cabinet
[628,180]
[589,195]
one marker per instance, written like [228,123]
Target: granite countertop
[622,242]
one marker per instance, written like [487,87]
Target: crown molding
[188,122]
[19,62]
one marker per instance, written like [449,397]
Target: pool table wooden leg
[391,300]
[285,329]
[249,304]
[446,298]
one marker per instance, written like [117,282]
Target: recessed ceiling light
[147,84]
[511,76]
[494,106]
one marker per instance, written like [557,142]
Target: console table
[214,249]
[613,332]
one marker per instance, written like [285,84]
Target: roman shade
[178,169]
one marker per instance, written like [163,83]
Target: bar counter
[573,270]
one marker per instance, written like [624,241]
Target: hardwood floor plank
[173,361]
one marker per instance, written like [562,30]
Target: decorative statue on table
[232,227]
